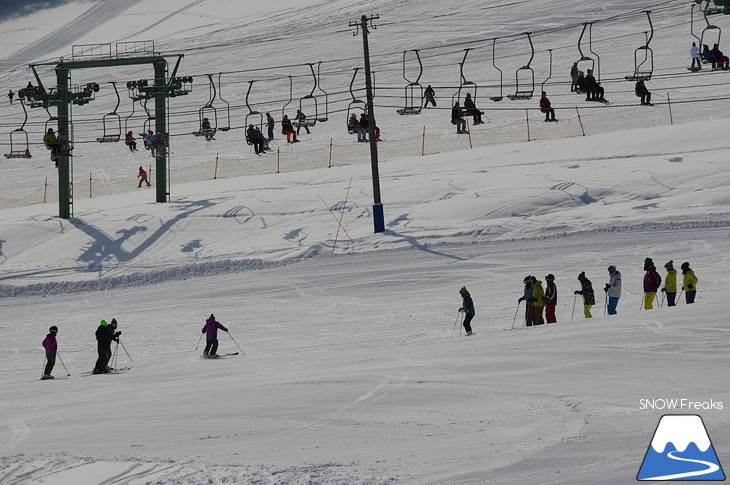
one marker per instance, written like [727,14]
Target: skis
[220,356]
[118,370]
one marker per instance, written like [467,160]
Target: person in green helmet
[105,334]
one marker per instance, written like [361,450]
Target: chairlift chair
[355,104]
[583,57]
[550,71]
[494,63]
[227,126]
[207,112]
[309,100]
[322,117]
[253,115]
[413,90]
[707,28]
[19,145]
[525,90]
[111,123]
[644,69]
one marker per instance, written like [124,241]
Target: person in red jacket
[51,346]
[652,282]
[546,108]
[210,329]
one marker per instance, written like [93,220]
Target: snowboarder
[210,329]
[288,130]
[142,176]
[457,119]
[105,334]
[467,307]
[694,53]
[51,346]
[545,107]
[551,299]
[527,297]
[471,110]
[652,282]
[613,289]
[689,283]
[589,298]
[538,301]
[130,142]
[670,284]
[643,92]
[301,121]
[429,96]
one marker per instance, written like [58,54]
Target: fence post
[580,122]
[45,190]
[90,185]
[669,103]
[468,132]
[527,120]
[329,165]
[423,141]
[278,159]
[215,171]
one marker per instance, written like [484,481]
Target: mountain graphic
[681,450]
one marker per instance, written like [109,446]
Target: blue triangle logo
[681,450]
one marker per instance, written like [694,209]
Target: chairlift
[550,72]
[19,145]
[355,104]
[111,123]
[721,7]
[413,90]
[207,112]
[147,125]
[584,58]
[228,106]
[309,100]
[463,82]
[707,28]
[644,69]
[494,63]
[525,90]
[597,70]
[322,118]
[253,114]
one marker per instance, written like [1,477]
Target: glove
[519,300]
[461,310]
[664,290]
[683,288]
[118,334]
[608,287]
[203,330]
[577,292]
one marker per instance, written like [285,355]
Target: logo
[681,450]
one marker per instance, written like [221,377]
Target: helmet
[550,277]
[113,323]
[611,269]
[53,329]
[685,266]
[528,279]
[463,290]
[669,264]
[103,323]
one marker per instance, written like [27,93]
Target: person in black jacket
[551,299]
[594,91]
[467,307]
[105,334]
[288,130]
[589,297]
[456,119]
[471,109]
[643,92]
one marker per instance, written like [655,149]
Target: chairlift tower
[64,95]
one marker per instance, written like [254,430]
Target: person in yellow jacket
[689,283]
[49,139]
[670,284]
[538,301]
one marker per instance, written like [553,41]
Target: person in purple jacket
[51,346]
[652,282]
[210,329]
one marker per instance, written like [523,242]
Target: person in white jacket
[694,52]
[613,289]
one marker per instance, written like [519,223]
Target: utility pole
[378,218]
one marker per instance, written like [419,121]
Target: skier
[301,121]
[364,127]
[49,139]
[159,145]
[211,338]
[574,78]
[207,130]
[10,96]
[643,92]
[288,130]
[652,282]
[594,90]
[471,109]
[270,123]
[721,60]
[51,346]
[538,301]
[589,298]
[527,296]
[467,307]
[253,139]
[545,107]
[142,176]
[104,337]
[670,284]
[129,141]
[581,85]
[689,283]
[429,95]
[456,119]
[694,52]
[613,289]
[551,299]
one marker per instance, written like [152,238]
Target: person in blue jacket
[527,296]
[467,306]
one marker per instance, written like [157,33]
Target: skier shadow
[104,247]
[414,242]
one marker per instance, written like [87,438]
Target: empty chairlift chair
[19,146]
[525,77]
[413,90]
[111,123]
[644,57]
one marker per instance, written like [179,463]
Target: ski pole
[605,305]
[125,350]
[679,298]
[455,322]
[573,313]
[661,304]
[461,322]
[201,338]
[68,374]
[43,369]
[234,341]
[515,318]
[114,356]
